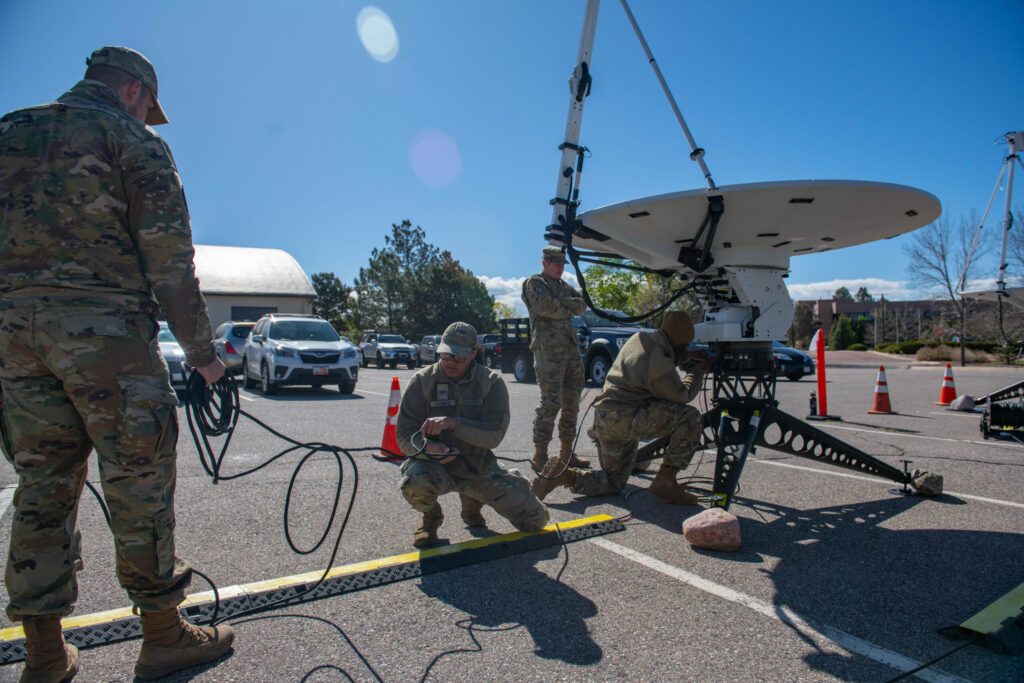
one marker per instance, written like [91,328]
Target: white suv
[291,348]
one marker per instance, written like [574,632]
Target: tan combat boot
[665,487]
[169,644]
[566,453]
[547,482]
[471,511]
[48,659]
[540,457]
[426,534]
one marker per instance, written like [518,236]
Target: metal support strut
[745,415]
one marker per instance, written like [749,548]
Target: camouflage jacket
[645,370]
[479,403]
[92,213]
[552,304]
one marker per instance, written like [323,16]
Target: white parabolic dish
[764,224]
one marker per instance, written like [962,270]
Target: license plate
[320,370]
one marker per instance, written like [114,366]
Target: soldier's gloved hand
[212,372]
[703,359]
[433,426]
[439,448]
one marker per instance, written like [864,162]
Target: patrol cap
[554,255]
[459,340]
[678,327]
[136,66]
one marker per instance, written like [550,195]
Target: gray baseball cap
[459,340]
[136,66]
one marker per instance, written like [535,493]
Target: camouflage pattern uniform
[643,398]
[95,225]
[479,403]
[556,355]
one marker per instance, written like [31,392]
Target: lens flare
[377,34]
[435,158]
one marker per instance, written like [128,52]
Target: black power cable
[213,411]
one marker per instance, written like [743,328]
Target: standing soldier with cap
[461,410]
[96,240]
[552,303]
[644,398]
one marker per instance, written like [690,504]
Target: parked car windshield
[303,330]
[166,336]
[391,339]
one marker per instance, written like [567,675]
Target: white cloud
[509,290]
[891,289]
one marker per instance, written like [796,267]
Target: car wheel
[393,364]
[490,361]
[597,370]
[265,384]
[380,361]
[365,362]
[521,368]
[346,388]
[794,377]
[246,379]
[411,364]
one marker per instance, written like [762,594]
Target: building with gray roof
[243,283]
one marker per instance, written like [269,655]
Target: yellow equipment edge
[16,632]
[991,618]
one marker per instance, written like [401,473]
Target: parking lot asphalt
[838,579]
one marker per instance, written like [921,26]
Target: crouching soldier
[644,397]
[461,409]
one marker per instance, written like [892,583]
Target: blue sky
[290,134]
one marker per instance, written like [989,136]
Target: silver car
[174,356]
[230,342]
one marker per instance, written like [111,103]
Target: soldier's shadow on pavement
[553,613]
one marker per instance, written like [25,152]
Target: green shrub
[947,353]
[886,347]
[909,348]
[856,347]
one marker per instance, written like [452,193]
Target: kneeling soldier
[644,398]
[465,405]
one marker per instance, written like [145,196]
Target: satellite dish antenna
[732,244]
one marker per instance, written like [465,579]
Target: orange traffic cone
[389,444]
[948,394]
[881,405]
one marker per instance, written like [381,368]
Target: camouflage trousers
[619,433]
[507,491]
[561,382]
[75,379]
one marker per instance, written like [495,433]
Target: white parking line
[877,481]
[375,393]
[990,444]
[782,613]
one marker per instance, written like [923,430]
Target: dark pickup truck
[600,341]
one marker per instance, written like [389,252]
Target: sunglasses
[452,358]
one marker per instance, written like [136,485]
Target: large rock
[714,529]
[927,483]
[963,402]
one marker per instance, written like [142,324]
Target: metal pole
[696,153]
[1007,216]
[578,86]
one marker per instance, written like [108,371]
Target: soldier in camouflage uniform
[644,398]
[95,240]
[552,303]
[465,404]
